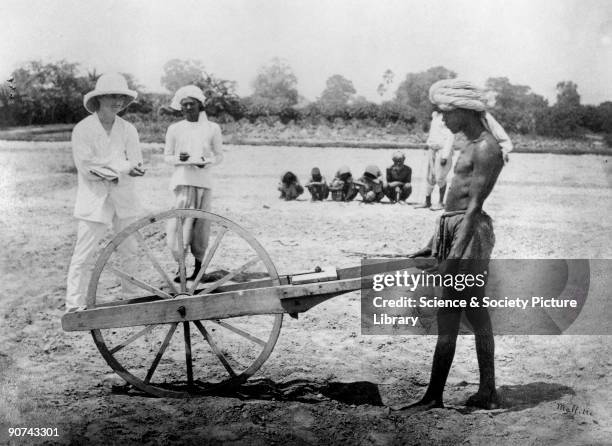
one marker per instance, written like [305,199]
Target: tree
[387,77]
[49,93]
[565,118]
[336,96]
[515,106]
[178,73]
[413,92]
[275,84]
[567,94]
[221,99]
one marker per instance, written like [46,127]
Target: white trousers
[89,235]
[436,172]
[196,232]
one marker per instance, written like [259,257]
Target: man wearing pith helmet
[399,176]
[193,147]
[107,155]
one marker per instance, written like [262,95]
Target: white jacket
[199,139]
[97,199]
[440,137]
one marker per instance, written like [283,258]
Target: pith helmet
[110,83]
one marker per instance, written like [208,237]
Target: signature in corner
[574,409]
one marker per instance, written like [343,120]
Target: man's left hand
[136,171]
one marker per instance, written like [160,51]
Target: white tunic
[440,137]
[99,200]
[199,139]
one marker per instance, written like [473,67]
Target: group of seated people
[372,186]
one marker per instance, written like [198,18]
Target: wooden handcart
[230,319]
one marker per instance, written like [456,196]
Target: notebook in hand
[106,173]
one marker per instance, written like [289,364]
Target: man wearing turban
[193,147]
[464,238]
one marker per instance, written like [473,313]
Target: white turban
[448,94]
[188,91]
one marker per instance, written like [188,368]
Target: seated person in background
[399,175]
[290,187]
[371,186]
[342,186]
[317,186]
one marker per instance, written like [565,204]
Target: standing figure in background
[107,155]
[439,148]
[317,186]
[290,187]
[399,177]
[193,147]
[371,186]
[342,186]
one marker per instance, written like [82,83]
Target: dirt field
[324,383]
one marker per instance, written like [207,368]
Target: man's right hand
[424,252]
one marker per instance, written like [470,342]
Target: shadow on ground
[357,393]
[525,396]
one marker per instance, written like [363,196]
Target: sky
[531,42]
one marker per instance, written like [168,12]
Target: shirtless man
[464,238]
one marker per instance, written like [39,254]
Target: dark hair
[316,174]
[289,177]
[345,176]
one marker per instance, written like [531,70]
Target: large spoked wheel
[140,263]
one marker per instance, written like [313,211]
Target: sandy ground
[324,383]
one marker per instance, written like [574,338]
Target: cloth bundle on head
[188,91]
[448,94]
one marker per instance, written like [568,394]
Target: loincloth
[480,245]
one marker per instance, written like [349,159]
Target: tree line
[47,93]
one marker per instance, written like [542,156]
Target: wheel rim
[216,353]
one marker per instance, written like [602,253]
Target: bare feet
[484,400]
[420,406]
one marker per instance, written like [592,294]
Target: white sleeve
[170,155]
[447,147]
[216,144]
[84,155]
[132,150]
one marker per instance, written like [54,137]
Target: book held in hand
[106,173]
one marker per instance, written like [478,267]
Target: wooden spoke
[132,338]
[230,275]
[181,259]
[160,353]
[139,283]
[188,361]
[215,348]
[154,262]
[240,332]
[125,348]
[207,258]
